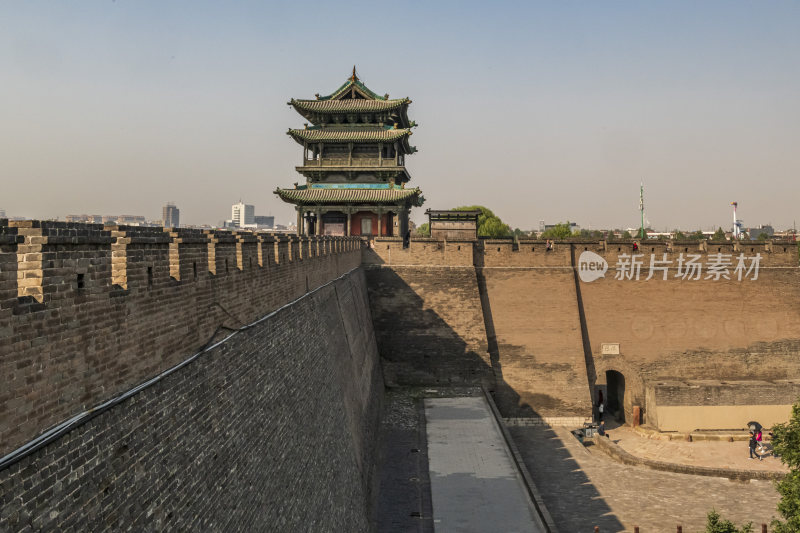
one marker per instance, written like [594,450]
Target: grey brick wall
[272,431]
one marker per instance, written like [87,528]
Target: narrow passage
[475,484]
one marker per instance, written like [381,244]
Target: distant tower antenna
[737,231]
[641,208]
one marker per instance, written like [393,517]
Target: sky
[547,111]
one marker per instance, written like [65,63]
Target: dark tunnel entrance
[616,395]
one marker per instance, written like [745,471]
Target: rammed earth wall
[545,328]
[272,430]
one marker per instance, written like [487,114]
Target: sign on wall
[609,348]
[690,267]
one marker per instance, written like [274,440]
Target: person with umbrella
[755,439]
[753,444]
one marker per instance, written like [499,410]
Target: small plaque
[609,348]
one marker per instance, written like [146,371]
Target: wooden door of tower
[366,226]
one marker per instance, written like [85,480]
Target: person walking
[753,444]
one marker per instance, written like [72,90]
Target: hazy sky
[539,110]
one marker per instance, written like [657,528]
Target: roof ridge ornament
[354,77]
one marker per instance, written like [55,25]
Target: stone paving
[583,488]
[404,497]
[715,454]
[475,483]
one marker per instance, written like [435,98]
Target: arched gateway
[354,164]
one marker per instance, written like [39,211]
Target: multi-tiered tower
[353,163]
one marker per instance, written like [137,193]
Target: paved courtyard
[715,454]
[583,488]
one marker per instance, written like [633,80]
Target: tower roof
[346,135]
[353,85]
[350,195]
[353,97]
[349,105]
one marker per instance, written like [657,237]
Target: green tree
[489,224]
[786,444]
[424,230]
[719,235]
[763,236]
[627,235]
[715,524]
[679,236]
[519,234]
[696,236]
[590,234]
[560,231]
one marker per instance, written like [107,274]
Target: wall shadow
[420,348]
[591,373]
[568,493]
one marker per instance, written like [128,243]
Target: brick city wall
[429,325]
[710,392]
[691,404]
[544,359]
[267,432]
[87,311]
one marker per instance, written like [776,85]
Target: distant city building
[2,213]
[131,220]
[128,220]
[243,214]
[754,233]
[170,216]
[263,221]
[90,219]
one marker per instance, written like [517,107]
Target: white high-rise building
[243,214]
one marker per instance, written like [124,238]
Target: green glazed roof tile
[345,106]
[345,135]
[337,196]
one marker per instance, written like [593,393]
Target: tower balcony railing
[355,162]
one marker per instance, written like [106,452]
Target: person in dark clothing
[753,444]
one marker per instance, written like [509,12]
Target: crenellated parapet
[505,253]
[87,310]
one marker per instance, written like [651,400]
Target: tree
[489,224]
[590,234]
[679,236]
[715,524]
[627,235]
[763,236]
[696,236]
[719,235]
[560,231]
[424,230]
[519,234]
[786,445]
